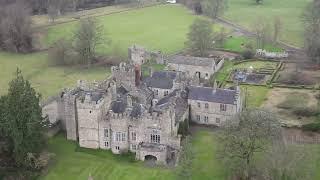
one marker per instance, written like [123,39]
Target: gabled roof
[224,96]
[162,83]
[164,74]
[189,60]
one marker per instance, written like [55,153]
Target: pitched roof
[189,60]
[225,96]
[118,106]
[162,83]
[164,74]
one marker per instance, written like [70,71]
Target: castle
[127,112]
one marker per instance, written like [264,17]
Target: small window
[118,136]
[166,93]
[106,144]
[199,105]
[133,136]
[206,105]
[117,148]
[155,138]
[218,120]
[223,107]
[123,137]
[106,133]
[133,147]
[90,112]
[206,119]
[198,117]
[207,75]
[156,92]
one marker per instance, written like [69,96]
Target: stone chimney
[137,69]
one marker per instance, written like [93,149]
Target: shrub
[248,54]
[315,127]
[305,111]
[60,53]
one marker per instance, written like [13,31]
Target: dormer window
[206,105]
[199,105]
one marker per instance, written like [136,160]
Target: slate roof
[136,110]
[162,83]
[189,60]
[225,96]
[165,74]
[118,106]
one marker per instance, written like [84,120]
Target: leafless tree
[15,28]
[277,27]
[249,133]
[86,38]
[61,53]
[200,37]
[311,19]
[284,161]
[261,29]
[214,8]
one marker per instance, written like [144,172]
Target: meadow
[246,13]
[160,27]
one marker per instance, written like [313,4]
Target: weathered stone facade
[127,113]
[195,66]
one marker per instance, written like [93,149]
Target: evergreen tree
[22,119]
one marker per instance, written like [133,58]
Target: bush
[305,111]
[315,127]
[60,53]
[248,54]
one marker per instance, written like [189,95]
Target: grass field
[246,12]
[159,28]
[47,80]
[238,43]
[72,164]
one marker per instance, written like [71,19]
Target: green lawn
[70,163]
[159,28]
[245,13]
[256,95]
[238,43]
[47,80]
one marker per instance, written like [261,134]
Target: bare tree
[54,9]
[285,161]
[200,37]
[311,20]
[214,8]
[60,53]
[87,37]
[15,28]
[277,27]
[261,29]
[249,133]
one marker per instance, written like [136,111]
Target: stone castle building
[128,112]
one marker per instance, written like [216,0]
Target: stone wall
[212,112]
